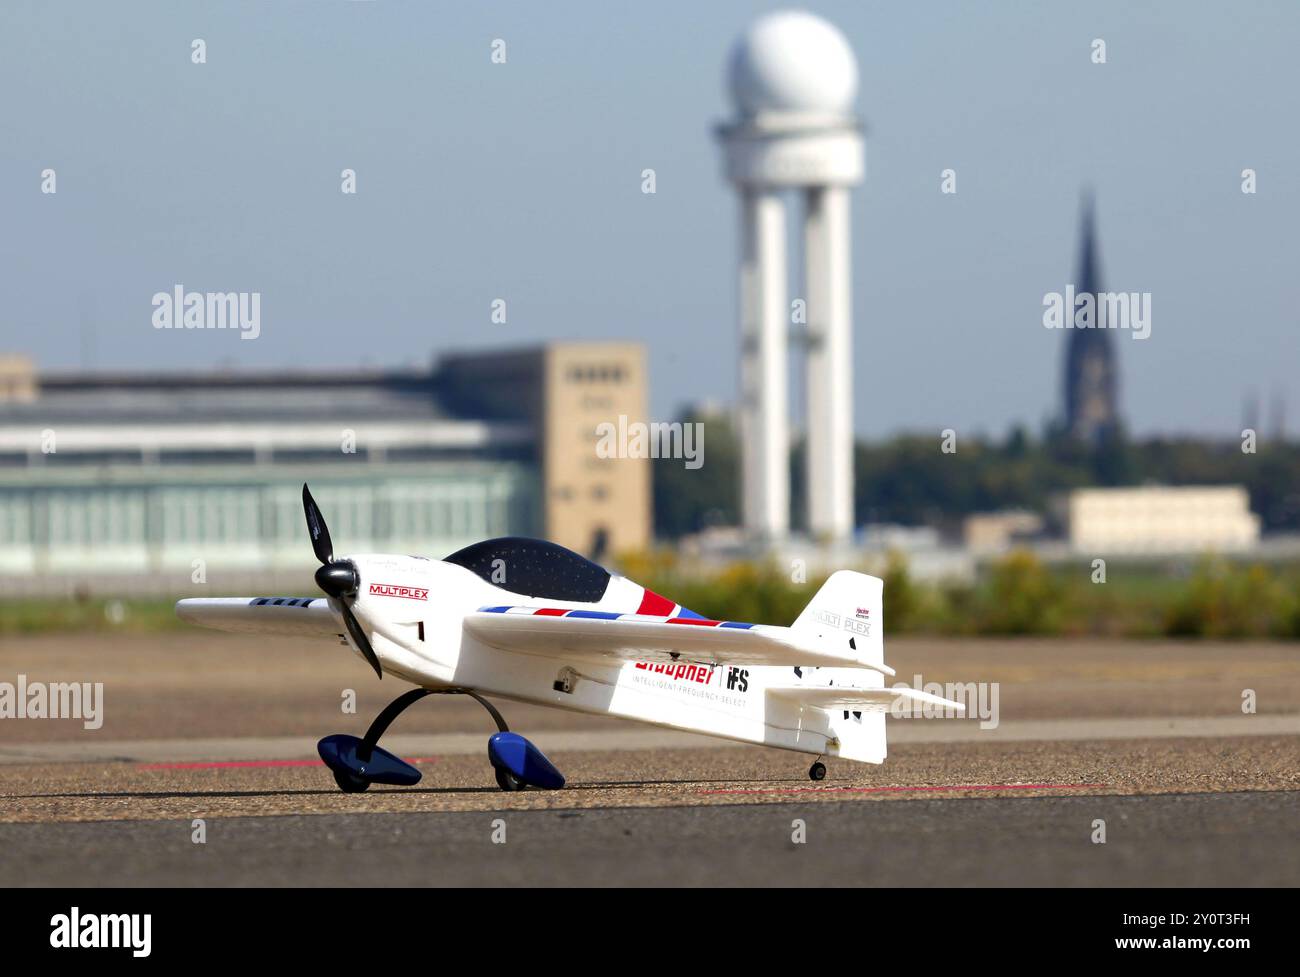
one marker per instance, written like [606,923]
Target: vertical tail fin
[849,607]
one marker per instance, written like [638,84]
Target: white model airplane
[528,620]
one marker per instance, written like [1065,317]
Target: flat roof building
[165,477]
[1158,519]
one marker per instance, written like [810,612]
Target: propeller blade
[339,580]
[359,636]
[320,534]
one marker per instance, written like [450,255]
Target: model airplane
[528,620]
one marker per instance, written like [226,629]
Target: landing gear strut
[817,771]
[357,763]
[399,705]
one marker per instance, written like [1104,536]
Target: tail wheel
[817,771]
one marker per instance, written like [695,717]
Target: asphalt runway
[1149,738]
[1175,840]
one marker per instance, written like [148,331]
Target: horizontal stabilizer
[861,700]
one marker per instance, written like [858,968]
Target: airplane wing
[612,638]
[860,700]
[305,616]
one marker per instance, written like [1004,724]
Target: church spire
[1091,377]
[1089,266]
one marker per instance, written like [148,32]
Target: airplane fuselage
[415,608]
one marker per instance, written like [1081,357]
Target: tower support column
[829,363]
[764,425]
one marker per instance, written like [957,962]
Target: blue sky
[522,181]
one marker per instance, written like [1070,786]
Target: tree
[687,500]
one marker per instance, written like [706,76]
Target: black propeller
[338,578]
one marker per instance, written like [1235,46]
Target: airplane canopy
[534,568]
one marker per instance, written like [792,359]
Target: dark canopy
[534,567]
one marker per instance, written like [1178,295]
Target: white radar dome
[793,62]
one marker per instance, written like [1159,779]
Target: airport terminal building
[139,482]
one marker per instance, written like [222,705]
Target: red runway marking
[882,790]
[226,764]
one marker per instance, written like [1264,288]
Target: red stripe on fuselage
[654,605]
[693,620]
[551,611]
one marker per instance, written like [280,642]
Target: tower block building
[793,80]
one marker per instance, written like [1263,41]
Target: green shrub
[1225,601]
[1020,597]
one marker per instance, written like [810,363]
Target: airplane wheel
[508,781]
[817,771]
[350,784]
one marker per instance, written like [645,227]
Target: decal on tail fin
[848,610]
